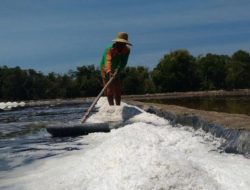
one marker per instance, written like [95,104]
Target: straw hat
[122,37]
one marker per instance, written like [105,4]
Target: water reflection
[228,104]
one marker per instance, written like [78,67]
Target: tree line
[177,71]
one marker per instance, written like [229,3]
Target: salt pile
[10,105]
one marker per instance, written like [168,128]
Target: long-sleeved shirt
[112,59]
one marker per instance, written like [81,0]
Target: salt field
[143,151]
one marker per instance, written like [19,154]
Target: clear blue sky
[58,35]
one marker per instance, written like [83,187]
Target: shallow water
[228,104]
[24,139]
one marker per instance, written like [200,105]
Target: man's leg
[110,94]
[111,100]
[108,91]
[117,92]
[104,83]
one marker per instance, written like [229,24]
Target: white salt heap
[10,105]
[147,153]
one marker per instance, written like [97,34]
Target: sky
[61,35]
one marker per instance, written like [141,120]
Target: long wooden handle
[84,118]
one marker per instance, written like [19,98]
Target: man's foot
[117,101]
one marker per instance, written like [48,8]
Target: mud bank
[234,128]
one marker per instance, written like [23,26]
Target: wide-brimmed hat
[122,37]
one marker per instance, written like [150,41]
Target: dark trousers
[113,91]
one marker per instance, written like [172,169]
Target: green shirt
[112,59]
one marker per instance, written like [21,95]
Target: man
[115,58]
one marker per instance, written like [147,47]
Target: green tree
[212,69]
[176,71]
[238,70]
[36,85]
[88,80]
[13,83]
[136,80]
